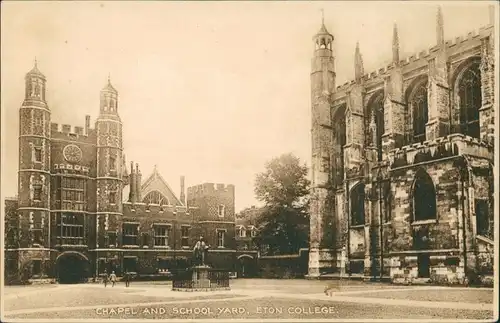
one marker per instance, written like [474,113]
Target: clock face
[72,153]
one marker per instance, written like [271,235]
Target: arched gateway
[72,267]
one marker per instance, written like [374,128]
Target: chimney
[87,124]
[182,196]
[131,196]
[138,182]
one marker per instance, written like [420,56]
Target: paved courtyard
[248,299]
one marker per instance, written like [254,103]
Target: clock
[72,153]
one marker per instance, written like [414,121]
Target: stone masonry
[402,162]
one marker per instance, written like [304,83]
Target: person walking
[126,278]
[112,277]
[105,278]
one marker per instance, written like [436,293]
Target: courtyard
[248,299]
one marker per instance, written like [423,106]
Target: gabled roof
[155,182]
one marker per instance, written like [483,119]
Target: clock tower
[109,167]
[34,163]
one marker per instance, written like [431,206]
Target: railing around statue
[200,279]
[218,278]
[182,279]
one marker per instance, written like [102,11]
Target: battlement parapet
[451,145]
[426,54]
[59,130]
[209,188]
[143,209]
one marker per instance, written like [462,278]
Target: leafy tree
[284,221]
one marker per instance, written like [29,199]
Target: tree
[284,221]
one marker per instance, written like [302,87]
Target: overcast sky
[208,90]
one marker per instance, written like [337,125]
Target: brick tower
[109,167]
[34,163]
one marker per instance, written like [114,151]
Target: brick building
[402,162]
[246,231]
[80,211]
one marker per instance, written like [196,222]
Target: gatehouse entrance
[72,267]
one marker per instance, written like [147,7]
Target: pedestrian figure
[105,278]
[112,277]
[126,278]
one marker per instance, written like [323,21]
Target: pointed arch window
[358,205]
[339,124]
[378,114]
[418,104]
[424,198]
[469,93]
[155,197]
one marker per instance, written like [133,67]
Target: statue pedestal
[200,277]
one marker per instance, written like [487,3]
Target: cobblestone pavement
[249,299]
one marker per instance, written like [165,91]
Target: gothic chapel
[402,162]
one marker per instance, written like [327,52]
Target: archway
[247,266]
[72,267]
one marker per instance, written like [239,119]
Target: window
[38,154]
[112,239]
[242,232]
[73,194]
[185,236]
[161,235]
[112,197]
[112,163]
[155,197]
[418,103]
[37,193]
[358,205]
[130,234]
[379,122]
[482,218]
[338,121]
[220,238]
[37,237]
[254,232]
[469,92]
[70,228]
[221,210]
[424,197]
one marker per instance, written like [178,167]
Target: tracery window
[358,205]
[378,112]
[424,197]
[155,197]
[469,92]
[418,103]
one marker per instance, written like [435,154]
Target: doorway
[424,262]
[72,268]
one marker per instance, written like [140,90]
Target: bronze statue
[199,252]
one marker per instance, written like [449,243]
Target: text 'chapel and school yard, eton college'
[402,181]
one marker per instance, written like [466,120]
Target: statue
[199,252]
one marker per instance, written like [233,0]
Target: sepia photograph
[253,161]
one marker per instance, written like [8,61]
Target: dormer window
[221,210]
[253,232]
[243,232]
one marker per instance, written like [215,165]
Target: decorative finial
[358,64]
[439,26]
[322,16]
[109,78]
[36,63]
[395,44]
